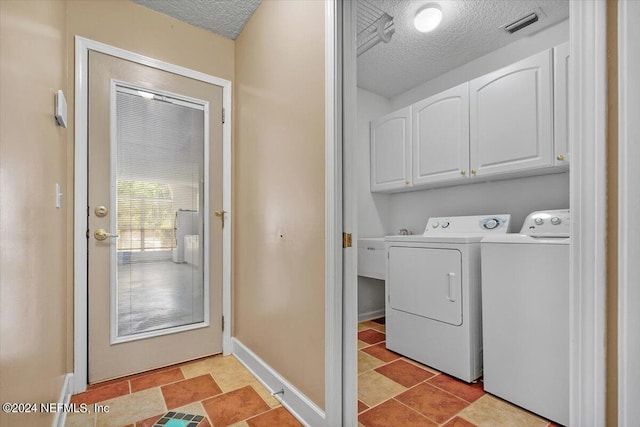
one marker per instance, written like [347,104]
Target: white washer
[433,293]
[525,322]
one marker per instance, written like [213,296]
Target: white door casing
[349,295]
[587,176]
[629,206]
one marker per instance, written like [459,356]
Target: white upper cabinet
[441,137]
[509,123]
[511,118]
[391,151]
[561,104]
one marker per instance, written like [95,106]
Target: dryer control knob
[539,221]
[490,224]
[445,224]
[555,220]
[435,224]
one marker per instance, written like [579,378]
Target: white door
[154,249]
[441,137]
[511,117]
[391,151]
[426,282]
[561,87]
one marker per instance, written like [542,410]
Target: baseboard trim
[307,412]
[370,315]
[65,396]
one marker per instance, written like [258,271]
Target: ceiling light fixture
[428,18]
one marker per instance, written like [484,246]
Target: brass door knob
[406,182]
[102,234]
[473,171]
[463,172]
[560,157]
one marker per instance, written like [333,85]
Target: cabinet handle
[406,182]
[463,172]
[560,157]
[473,171]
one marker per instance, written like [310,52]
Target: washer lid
[526,239]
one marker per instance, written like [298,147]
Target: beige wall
[279,207]
[33,150]
[129,26]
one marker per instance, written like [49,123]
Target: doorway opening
[397,211]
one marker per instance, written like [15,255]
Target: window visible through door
[159,186]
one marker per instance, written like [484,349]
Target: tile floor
[219,388]
[394,391]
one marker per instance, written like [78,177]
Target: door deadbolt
[101,211]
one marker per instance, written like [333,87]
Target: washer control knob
[490,224]
[539,221]
[555,220]
[435,224]
[445,224]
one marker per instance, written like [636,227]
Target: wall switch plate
[61,109]
[58,196]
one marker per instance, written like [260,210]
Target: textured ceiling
[224,17]
[469,29]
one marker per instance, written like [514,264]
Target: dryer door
[426,282]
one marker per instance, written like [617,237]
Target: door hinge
[223,115]
[222,323]
[346,240]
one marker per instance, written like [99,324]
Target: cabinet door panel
[441,136]
[391,151]
[511,116]
[561,104]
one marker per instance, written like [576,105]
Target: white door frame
[587,203]
[80,305]
[350,216]
[629,206]
[333,215]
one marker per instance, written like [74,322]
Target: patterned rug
[178,419]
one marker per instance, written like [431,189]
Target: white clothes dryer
[525,320]
[432,286]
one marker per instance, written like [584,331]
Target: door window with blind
[145,216]
[158,188]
